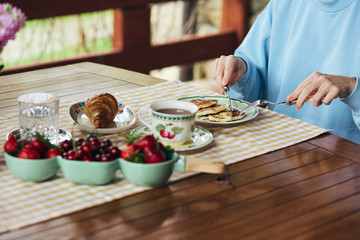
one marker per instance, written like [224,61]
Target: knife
[226,92]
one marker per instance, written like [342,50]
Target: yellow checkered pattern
[24,203]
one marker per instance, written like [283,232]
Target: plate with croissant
[102,114]
[214,110]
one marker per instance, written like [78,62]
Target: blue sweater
[293,38]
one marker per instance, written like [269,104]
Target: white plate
[201,138]
[235,103]
[124,119]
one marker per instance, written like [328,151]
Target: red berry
[128,152]
[171,135]
[11,144]
[95,142]
[164,133]
[114,152]
[86,147]
[29,152]
[107,143]
[66,145]
[88,159]
[70,155]
[53,153]
[145,141]
[80,154]
[38,145]
[153,155]
[97,157]
[105,158]
[79,142]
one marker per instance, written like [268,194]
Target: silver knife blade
[226,92]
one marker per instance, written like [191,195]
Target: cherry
[95,142]
[88,159]
[105,158]
[70,155]
[66,145]
[86,147]
[114,152]
[79,141]
[97,156]
[106,143]
[80,154]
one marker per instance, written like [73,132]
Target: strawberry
[40,146]
[145,141]
[128,152]
[53,153]
[29,152]
[11,145]
[153,155]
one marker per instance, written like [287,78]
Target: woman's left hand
[323,88]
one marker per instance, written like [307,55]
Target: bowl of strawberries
[147,162]
[33,161]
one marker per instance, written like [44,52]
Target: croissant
[101,109]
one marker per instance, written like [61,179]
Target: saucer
[200,138]
[123,120]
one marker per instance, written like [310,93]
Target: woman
[299,49]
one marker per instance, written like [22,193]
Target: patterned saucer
[200,138]
[124,119]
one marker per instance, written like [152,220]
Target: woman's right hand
[227,70]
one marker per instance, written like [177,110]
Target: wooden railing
[132,48]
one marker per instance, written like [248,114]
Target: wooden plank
[144,59]
[37,9]
[340,229]
[339,146]
[340,207]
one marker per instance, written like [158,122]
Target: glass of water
[39,113]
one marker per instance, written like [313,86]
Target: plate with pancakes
[214,110]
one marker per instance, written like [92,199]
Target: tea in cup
[172,121]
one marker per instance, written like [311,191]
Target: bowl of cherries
[89,160]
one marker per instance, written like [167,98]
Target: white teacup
[172,121]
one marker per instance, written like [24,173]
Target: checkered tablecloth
[24,203]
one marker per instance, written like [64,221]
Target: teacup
[172,121]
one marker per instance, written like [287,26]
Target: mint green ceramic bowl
[90,173]
[32,170]
[148,175]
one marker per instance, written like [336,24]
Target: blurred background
[81,34]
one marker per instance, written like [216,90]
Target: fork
[264,103]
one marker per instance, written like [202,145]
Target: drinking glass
[39,113]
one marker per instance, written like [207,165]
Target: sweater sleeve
[353,101]
[254,50]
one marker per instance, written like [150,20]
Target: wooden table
[306,191]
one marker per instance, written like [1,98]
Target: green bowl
[32,170]
[89,173]
[148,175]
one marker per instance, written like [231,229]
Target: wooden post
[131,28]
[235,15]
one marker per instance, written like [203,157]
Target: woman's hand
[226,70]
[323,88]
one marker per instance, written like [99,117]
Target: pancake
[211,110]
[226,116]
[204,103]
